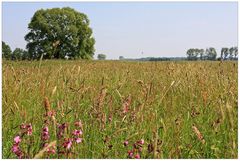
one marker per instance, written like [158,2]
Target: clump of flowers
[137,149]
[61,129]
[60,145]
[67,143]
[16,148]
[26,129]
[45,136]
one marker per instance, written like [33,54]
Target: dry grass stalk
[41,152]
[47,105]
[198,134]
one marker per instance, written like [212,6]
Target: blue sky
[127,29]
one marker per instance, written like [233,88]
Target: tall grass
[179,109]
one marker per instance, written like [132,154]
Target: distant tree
[25,55]
[211,53]
[192,54]
[121,57]
[201,53]
[59,32]
[6,51]
[236,52]
[224,53]
[101,56]
[18,54]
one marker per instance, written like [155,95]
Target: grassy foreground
[123,109]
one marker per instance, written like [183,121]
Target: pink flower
[78,140]
[67,144]
[45,129]
[22,126]
[51,150]
[137,156]
[17,151]
[130,154]
[61,129]
[17,139]
[15,148]
[50,113]
[29,129]
[125,143]
[77,132]
[141,142]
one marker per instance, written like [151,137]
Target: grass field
[126,109]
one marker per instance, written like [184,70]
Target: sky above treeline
[138,29]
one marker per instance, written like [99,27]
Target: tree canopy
[6,51]
[60,32]
[101,56]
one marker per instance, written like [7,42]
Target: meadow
[119,109]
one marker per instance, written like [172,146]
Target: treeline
[17,54]
[154,59]
[211,54]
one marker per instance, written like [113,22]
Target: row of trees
[17,54]
[229,53]
[20,54]
[211,54]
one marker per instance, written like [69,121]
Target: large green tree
[60,32]
[6,51]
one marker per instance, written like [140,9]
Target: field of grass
[127,109]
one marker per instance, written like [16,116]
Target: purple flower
[141,142]
[29,129]
[67,144]
[61,129]
[78,140]
[77,132]
[45,133]
[15,148]
[137,156]
[130,154]
[125,143]
[17,139]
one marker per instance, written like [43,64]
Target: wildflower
[29,129]
[45,133]
[125,143]
[51,150]
[50,113]
[22,126]
[141,142]
[16,150]
[126,105]
[67,144]
[140,149]
[130,154]
[78,140]
[61,129]
[17,139]
[77,132]
[137,156]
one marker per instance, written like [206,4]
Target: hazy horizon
[138,29]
